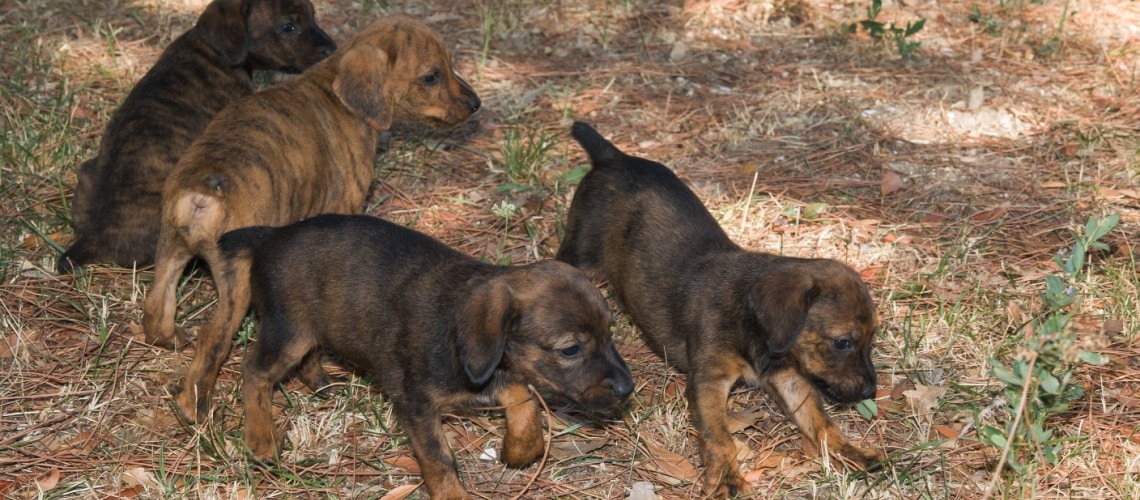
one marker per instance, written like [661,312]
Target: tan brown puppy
[116,206]
[304,147]
[438,331]
[800,328]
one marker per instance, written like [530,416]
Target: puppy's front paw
[190,409]
[727,483]
[523,443]
[870,459]
[178,339]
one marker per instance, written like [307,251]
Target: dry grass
[801,140]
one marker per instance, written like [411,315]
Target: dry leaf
[740,420]
[1113,326]
[642,490]
[48,480]
[891,182]
[400,492]
[137,476]
[990,214]
[744,452]
[923,399]
[795,471]
[669,467]
[576,447]
[947,432]
[404,462]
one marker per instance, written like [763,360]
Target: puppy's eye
[288,27]
[841,344]
[431,79]
[571,351]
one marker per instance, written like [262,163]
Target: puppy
[116,205]
[437,330]
[800,328]
[303,147]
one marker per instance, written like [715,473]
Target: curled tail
[241,242]
[600,150]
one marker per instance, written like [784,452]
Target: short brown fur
[304,147]
[116,208]
[800,328]
[438,331]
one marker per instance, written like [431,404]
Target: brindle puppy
[438,331]
[800,328]
[116,205]
[304,147]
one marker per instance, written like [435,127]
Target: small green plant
[504,209]
[887,32]
[523,154]
[1039,382]
[989,23]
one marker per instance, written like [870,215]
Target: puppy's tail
[601,151]
[242,242]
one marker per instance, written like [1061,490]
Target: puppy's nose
[868,391]
[622,387]
[474,103]
[328,50]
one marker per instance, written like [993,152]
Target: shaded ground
[949,181]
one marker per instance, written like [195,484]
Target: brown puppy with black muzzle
[303,147]
[116,207]
[800,328]
[439,332]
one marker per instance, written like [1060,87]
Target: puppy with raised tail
[800,328]
[117,202]
[438,331]
[303,147]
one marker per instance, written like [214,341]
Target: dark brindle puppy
[303,147]
[801,328]
[116,205]
[438,331]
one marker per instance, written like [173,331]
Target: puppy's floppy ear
[483,320]
[780,301]
[362,84]
[223,26]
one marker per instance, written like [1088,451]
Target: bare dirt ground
[949,180]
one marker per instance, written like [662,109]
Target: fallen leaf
[740,420]
[744,452]
[933,218]
[401,492]
[669,467]
[923,399]
[1113,326]
[404,462]
[48,480]
[891,182]
[946,431]
[130,492]
[576,447]
[989,214]
[642,490]
[795,471]
[137,476]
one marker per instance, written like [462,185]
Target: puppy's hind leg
[161,303]
[231,277]
[269,360]
[314,376]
